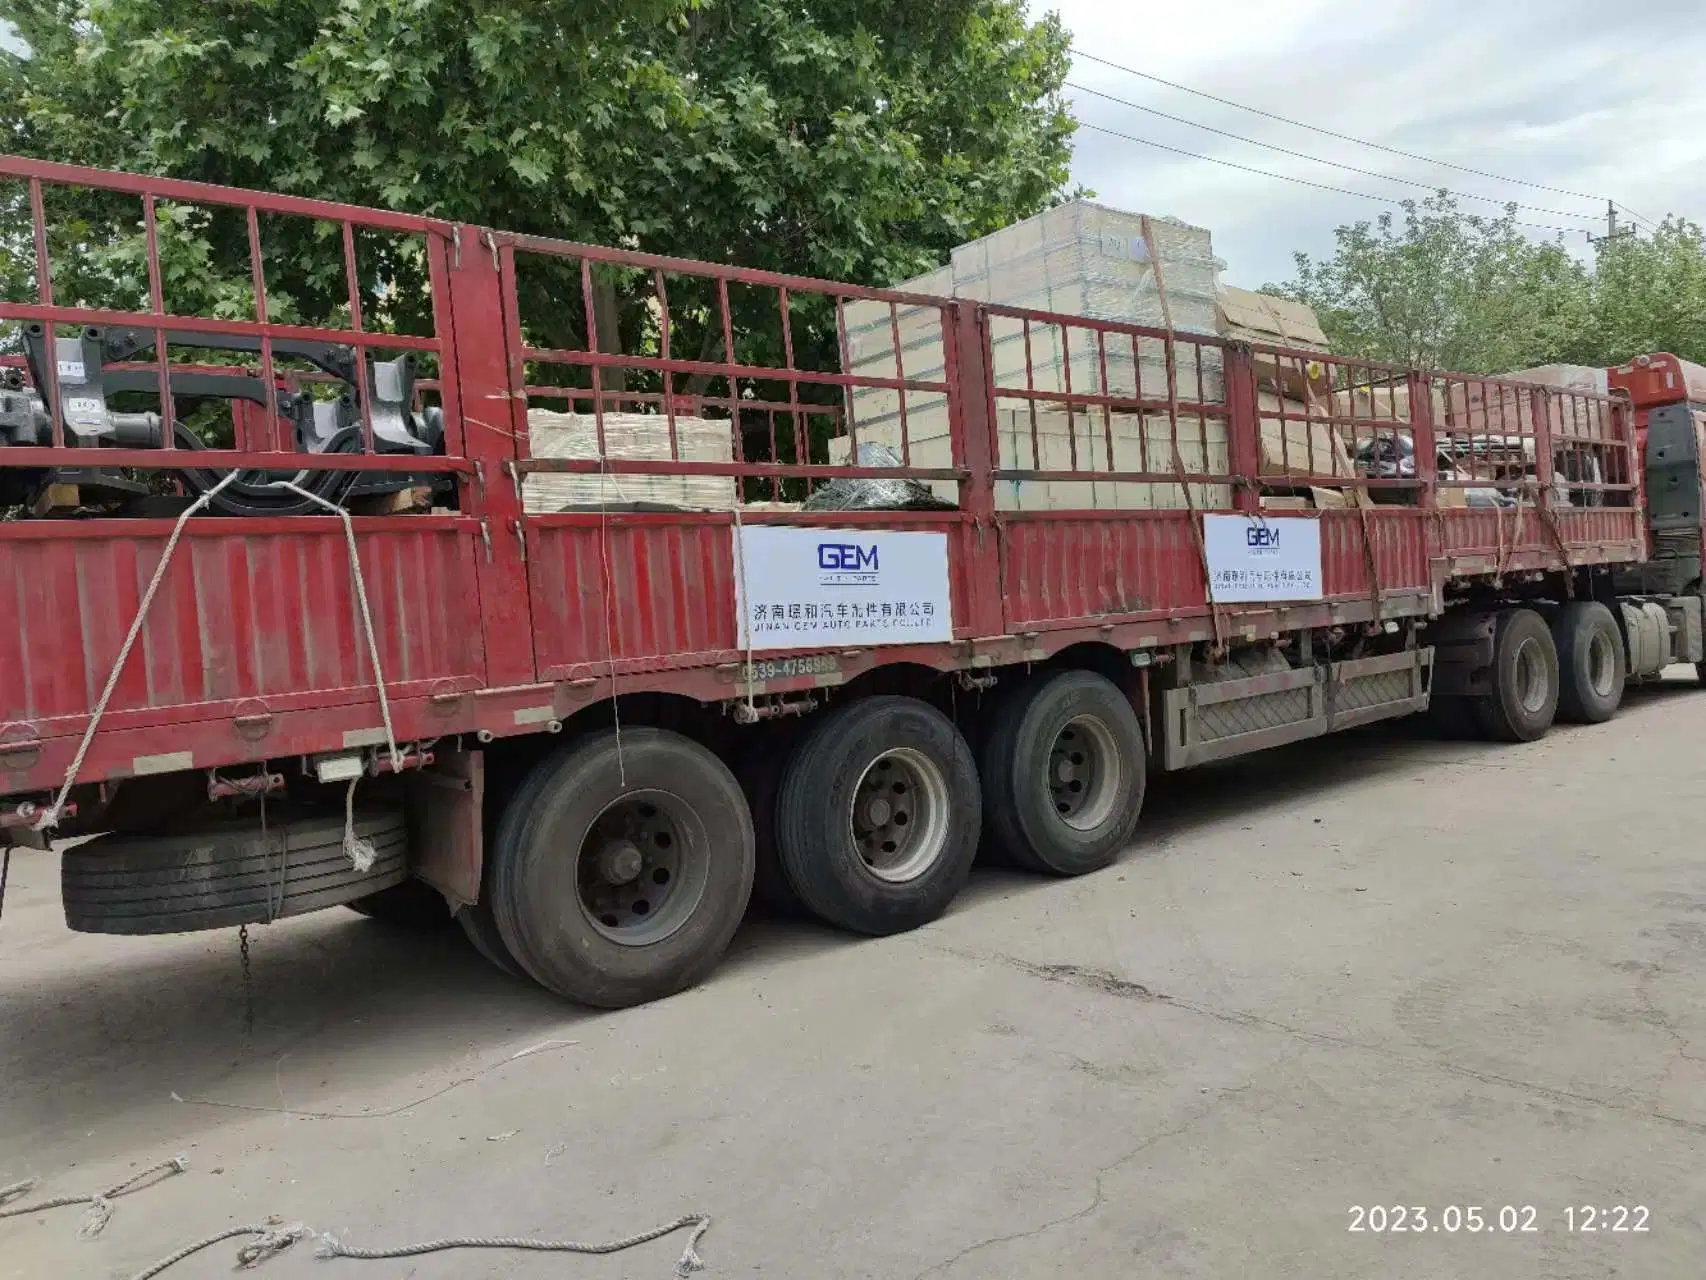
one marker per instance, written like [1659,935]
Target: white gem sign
[1252,559]
[805,587]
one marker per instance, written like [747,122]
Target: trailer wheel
[1063,773]
[622,867]
[1592,666]
[877,823]
[1524,700]
[480,927]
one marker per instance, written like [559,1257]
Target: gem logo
[1262,537]
[846,557]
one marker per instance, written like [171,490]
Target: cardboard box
[1293,448]
[1277,322]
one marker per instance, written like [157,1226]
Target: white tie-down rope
[361,852]
[274,1236]
[50,816]
[99,1202]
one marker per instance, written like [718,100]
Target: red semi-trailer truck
[551,586]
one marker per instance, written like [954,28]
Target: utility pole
[1612,231]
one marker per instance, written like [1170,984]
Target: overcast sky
[1606,99]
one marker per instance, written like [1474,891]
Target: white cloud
[1551,91]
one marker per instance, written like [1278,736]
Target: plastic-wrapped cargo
[641,436]
[877,495]
[1081,259]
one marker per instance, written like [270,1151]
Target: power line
[1286,177]
[1342,137]
[1303,155]
[1639,217]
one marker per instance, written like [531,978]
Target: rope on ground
[269,1240]
[50,816]
[99,1202]
[689,1262]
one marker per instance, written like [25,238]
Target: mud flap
[445,804]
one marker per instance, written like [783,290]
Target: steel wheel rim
[1084,766]
[641,868]
[1602,664]
[899,815]
[1531,682]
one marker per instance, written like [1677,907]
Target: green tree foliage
[854,139]
[1440,288]
[1444,289]
[1648,294]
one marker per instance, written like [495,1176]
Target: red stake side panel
[249,614]
[1080,455]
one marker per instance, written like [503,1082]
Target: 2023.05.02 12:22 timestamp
[1507,1219]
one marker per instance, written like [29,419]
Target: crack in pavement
[1107,983]
[1100,1195]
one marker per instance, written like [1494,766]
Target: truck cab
[1669,399]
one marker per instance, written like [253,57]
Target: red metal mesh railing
[1335,422]
[1527,443]
[640,378]
[1097,414]
[177,281]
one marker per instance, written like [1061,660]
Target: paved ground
[1376,971]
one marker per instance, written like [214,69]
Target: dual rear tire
[622,867]
[1573,669]
[1063,766]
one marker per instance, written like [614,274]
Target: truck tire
[226,874]
[878,819]
[1063,771]
[622,867]
[480,927]
[1524,700]
[413,905]
[1592,666]
[759,767]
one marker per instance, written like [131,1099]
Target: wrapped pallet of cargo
[627,437]
[1078,259]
